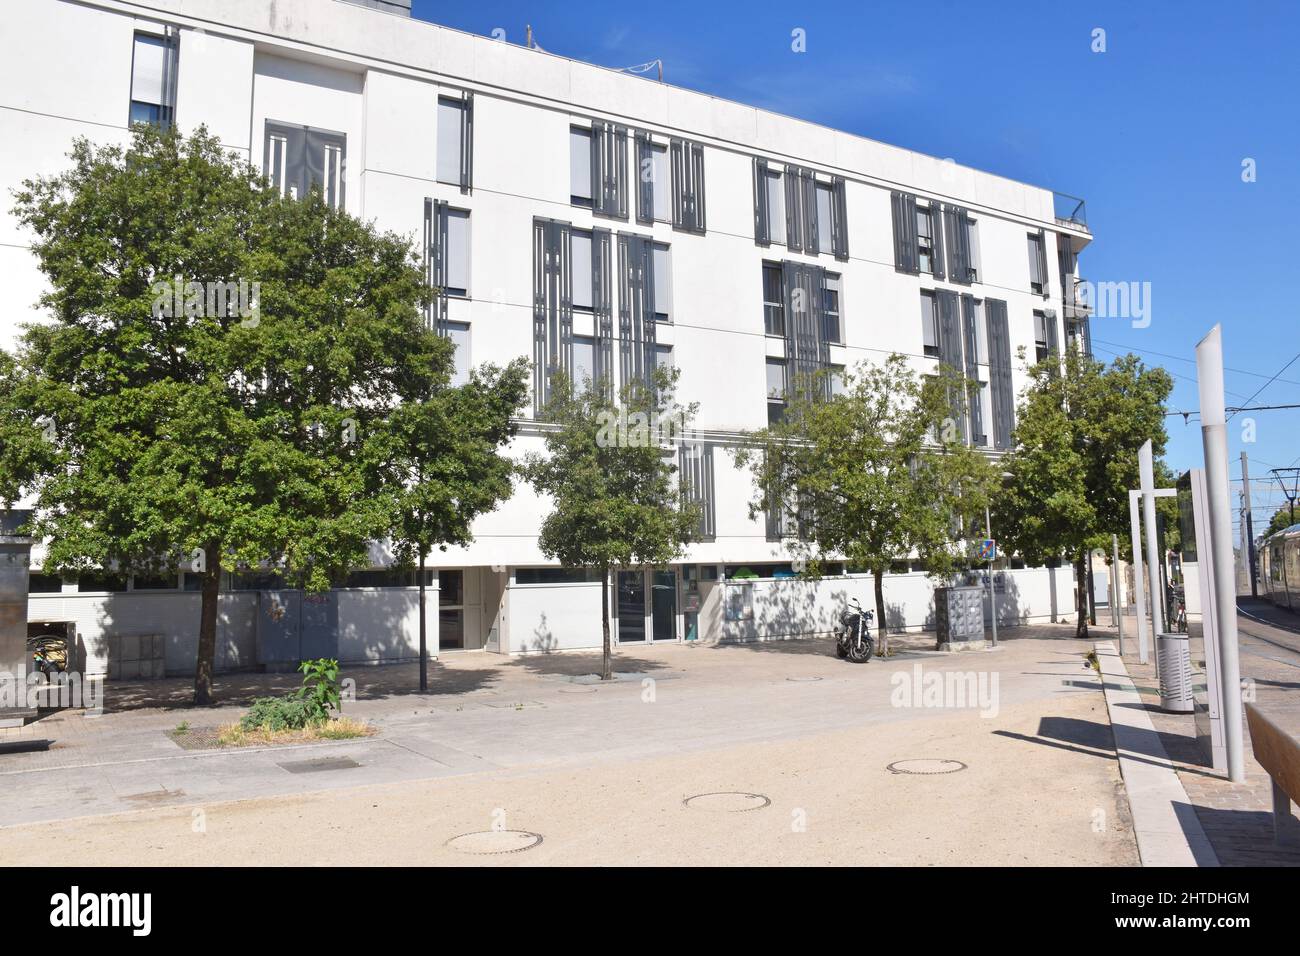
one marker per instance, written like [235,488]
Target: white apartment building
[517,173]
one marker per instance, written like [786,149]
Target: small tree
[609,473]
[445,466]
[1079,427]
[220,367]
[873,474]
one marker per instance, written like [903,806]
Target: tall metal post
[993,594]
[1248,527]
[1118,598]
[1214,440]
[1139,582]
[1146,470]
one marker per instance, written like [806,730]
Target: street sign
[988,550]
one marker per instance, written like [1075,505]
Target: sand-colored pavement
[602,774]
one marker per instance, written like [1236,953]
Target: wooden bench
[1278,752]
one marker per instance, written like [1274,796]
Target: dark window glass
[44,583]
[556,575]
[100,581]
[154,582]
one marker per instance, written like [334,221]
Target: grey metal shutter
[975,409]
[467,145]
[839,219]
[1053,337]
[936,240]
[645,184]
[695,464]
[435,263]
[636,308]
[1003,398]
[602,306]
[1042,261]
[171,61]
[762,212]
[687,161]
[903,206]
[808,191]
[552,307]
[294,160]
[807,353]
[609,170]
[958,230]
[945,300]
[794,212]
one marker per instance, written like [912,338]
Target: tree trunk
[882,627]
[1092,594]
[424,655]
[1081,595]
[607,664]
[207,653]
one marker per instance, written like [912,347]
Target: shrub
[320,687]
[310,704]
[276,713]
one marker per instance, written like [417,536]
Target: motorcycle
[853,639]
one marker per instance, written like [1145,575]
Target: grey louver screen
[903,206]
[762,210]
[839,219]
[645,184]
[945,301]
[297,159]
[435,263]
[636,308]
[806,351]
[609,170]
[687,160]
[1003,398]
[552,307]
[975,409]
[695,464]
[602,303]
[959,257]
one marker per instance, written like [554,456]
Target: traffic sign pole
[993,597]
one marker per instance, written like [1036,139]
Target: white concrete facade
[376,78]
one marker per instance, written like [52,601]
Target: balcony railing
[1075,295]
[1069,208]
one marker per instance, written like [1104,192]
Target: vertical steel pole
[993,595]
[1146,468]
[1214,439]
[1139,582]
[1248,527]
[1118,598]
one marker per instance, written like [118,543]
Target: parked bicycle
[853,640]
[1178,608]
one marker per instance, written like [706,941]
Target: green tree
[222,429]
[874,474]
[445,467]
[1079,426]
[615,503]
[1280,521]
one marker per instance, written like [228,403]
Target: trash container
[1174,658]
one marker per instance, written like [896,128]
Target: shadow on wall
[543,641]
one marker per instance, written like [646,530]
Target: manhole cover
[486,842]
[318,765]
[727,801]
[926,767]
[801,680]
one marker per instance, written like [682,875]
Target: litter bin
[1174,658]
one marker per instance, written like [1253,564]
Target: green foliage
[278,713]
[320,688]
[288,438]
[872,475]
[1280,521]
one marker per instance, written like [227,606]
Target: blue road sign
[988,550]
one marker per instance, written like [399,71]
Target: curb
[1165,824]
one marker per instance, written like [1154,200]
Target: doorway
[646,606]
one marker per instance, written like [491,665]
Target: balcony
[1075,298]
[1070,209]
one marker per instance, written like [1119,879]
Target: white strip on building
[493,157]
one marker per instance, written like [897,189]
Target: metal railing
[1069,208]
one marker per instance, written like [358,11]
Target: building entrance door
[663,603]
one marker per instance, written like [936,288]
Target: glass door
[631,607]
[663,605]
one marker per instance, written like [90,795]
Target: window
[832,329]
[663,283]
[925,239]
[92,581]
[44,583]
[776,205]
[155,582]
[661,183]
[837,380]
[929,325]
[455,141]
[973,231]
[1037,264]
[776,389]
[153,78]
[773,300]
[1041,349]
[580,259]
[457,252]
[584,359]
[695,471]
[298,159]
[458,332]
[556,575]
[664,357]
[580,166]
[825,202]
[451,608]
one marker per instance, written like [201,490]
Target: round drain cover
[926,766]
[727,801]
[495,841]
[800,680]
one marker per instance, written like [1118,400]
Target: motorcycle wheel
[859,654]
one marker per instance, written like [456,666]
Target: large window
[153,78]
[458,332]
[457,252]
[776,389]
[925,238]
[663,283]
[298,159]
[580,258]
[1037,264]
[825,203]
[1041,347]
[832,327]
[929,325]
[773,299]
[580,166]
[584,359]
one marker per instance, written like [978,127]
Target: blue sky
[1151,133]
